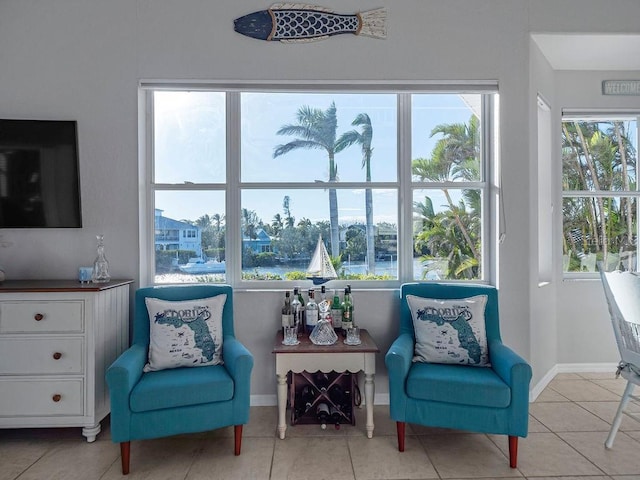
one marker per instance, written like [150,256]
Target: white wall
[83,60]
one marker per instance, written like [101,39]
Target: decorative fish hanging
[296,22]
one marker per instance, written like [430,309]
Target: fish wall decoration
[296,22]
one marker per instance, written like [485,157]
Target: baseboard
[263,400]
[383,398]
[569,368]
[542,384]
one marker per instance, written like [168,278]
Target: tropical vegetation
[599,161]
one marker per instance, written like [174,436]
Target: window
[600,192]
[376,186]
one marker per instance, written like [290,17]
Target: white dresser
[57,338]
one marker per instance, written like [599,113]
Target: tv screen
[39,178]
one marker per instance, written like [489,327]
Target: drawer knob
[57,397]
[57,356]
[38,316]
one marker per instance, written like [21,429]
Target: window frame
[604,115]
[404,183]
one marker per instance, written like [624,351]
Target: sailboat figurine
[320,269]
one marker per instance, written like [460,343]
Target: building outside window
[393,185]
[600,192]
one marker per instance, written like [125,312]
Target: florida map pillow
[450,331]
[186,333]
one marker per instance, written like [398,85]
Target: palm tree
[455,156]
[363,139]
[316,130]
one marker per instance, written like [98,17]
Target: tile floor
[568,426]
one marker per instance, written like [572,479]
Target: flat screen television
[39,176]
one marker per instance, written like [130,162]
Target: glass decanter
[101,265]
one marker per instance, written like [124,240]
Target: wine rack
[335,389]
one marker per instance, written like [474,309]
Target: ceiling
[590,51]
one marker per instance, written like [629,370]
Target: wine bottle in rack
[307,396]
[323,414]
[336,417]
[321,381]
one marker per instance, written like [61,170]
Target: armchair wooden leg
[125,453]
[400,427]
[513,451]
[237,432]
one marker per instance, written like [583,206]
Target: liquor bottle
[287,312]
[336,313]
[323,293]
[322,414]
[302,311]
[296,310]
[311,312]
[347,311]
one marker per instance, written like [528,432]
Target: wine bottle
[307,396]
[336,417]
[347,311]
[287,312]
[336,313]
[336,395]
[321,381]
[322,414]
[311,312]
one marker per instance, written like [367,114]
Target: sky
[190,146]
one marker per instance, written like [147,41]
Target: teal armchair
[180,400]
[491,399]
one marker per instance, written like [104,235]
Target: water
[385,267]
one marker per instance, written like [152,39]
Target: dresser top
[58,285]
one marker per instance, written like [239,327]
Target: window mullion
[405,191]
[233,240]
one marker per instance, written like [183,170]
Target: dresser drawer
[41,317]
[41,397]
[24,356]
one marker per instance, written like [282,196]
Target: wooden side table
[325,358]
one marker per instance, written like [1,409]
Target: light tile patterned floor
[568,425]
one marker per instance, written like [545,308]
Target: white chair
[622,290]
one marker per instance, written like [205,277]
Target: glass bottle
[101,265]
[322,414]
[311,312]
[296,309]
[287,312]
[336,313]
[347,311]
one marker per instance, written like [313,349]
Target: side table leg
[282,404]
[91,432]
[369,388]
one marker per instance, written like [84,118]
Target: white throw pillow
[186,333]
[450,331]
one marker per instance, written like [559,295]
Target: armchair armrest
[125,372]
[122,376]
[398,358]
[237,359]
[239,362]
[510,366]
[398,361]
